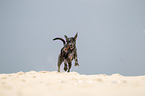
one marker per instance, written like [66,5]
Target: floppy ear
[76,36]
[65,36]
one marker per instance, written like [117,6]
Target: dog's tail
[59,39]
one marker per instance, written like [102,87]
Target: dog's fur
[68,52]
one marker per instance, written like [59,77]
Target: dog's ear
[65,36]
[76,36]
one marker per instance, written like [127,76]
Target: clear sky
[111,35]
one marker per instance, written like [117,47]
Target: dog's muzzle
[71,47]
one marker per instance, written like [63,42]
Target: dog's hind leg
[69,64]
[60,60]
[59,64]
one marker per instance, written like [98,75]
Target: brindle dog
[68,52]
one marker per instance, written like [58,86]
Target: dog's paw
[65,68]
[76,64]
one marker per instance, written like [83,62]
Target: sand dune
[46,83]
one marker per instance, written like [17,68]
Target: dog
[68,52]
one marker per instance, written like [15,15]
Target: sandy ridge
[45,83]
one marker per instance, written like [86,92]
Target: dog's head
[71,41]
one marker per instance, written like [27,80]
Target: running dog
[68,52]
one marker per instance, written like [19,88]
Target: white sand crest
[46,83]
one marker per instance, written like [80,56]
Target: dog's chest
[71,56]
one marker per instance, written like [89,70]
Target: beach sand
[45,83]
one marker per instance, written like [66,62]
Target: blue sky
[111,35]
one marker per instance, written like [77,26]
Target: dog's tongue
[66,48]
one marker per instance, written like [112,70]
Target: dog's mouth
[66,48]
[71,47]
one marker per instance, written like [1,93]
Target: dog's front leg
[69,65]
[76,59]
[65,65]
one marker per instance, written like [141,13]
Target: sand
[45,83]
